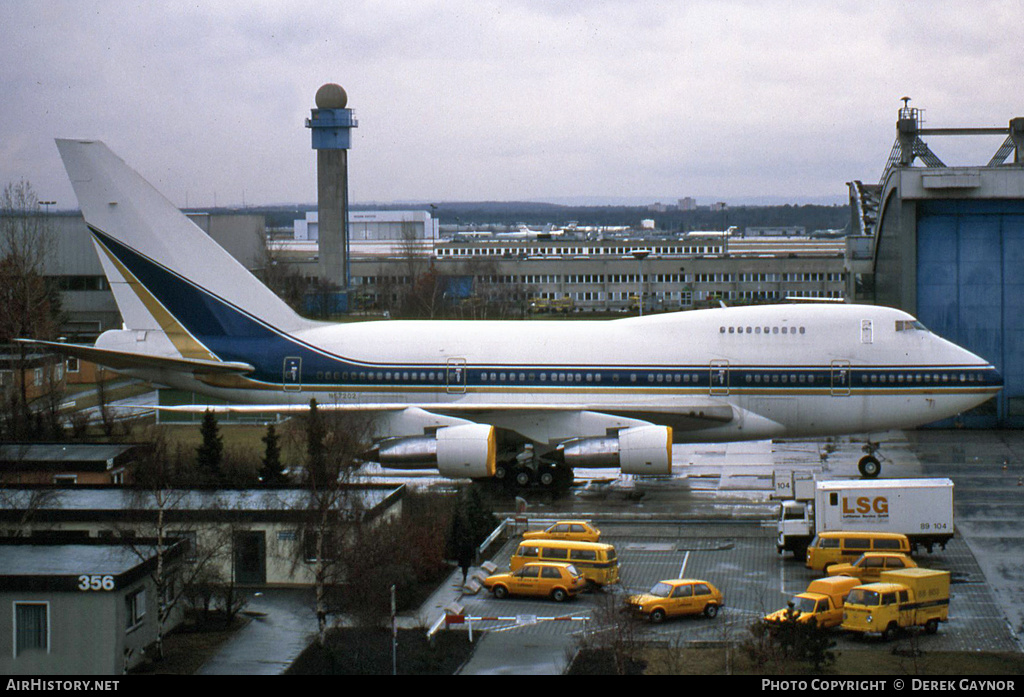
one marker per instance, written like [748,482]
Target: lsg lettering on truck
[864,504]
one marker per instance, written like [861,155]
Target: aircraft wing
[543,424]
[124,360]
[702,413]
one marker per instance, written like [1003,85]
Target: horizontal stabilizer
[125,360]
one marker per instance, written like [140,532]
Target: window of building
[134,608]
[31,627]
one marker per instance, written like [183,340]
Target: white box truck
[921,509]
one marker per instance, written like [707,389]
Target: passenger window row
[919,378]
[382,376]
[758,330]
[793,378]
[652,377]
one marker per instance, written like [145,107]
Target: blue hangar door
[970,290]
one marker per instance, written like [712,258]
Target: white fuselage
[776,371]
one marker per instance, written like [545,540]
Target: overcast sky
[515,100]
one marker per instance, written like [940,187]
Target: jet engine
[456,451]
[636,450]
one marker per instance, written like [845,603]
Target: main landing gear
[528,471]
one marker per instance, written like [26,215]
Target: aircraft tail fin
[166,273]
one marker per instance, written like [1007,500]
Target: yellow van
[828,548]
[595,560]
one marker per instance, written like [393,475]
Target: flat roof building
[258,532]
[68,462]
[83,607]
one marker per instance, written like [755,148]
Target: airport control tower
[331,124]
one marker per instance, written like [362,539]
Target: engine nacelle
[636,450]
[646,450]
[468,450]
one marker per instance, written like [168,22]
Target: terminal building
[947,245]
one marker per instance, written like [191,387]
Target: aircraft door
[840,378]
[455,375]
[718,384]
[292,373]
[866,332]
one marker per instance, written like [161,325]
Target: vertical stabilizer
[141,236]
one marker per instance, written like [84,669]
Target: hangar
[946,244]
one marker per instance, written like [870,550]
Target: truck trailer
[921,509]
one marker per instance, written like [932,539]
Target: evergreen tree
[481,518]
[272,471]
[316,456]
[470,525]
[210,454]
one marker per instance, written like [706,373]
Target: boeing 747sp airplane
[510,399]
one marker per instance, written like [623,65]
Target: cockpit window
[908,325]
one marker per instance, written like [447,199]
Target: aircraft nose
[996,378]
[991,376]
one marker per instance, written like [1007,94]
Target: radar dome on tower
[331,96]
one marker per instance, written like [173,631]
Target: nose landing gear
[870,466]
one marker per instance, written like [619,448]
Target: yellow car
[555,580]
[682,596]
[579,530]
[871,564]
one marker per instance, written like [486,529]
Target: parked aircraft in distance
[521,400]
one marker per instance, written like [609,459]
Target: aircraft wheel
[869,467]
[522,477]
[547,477]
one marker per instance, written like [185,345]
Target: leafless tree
[29,301]
[162,504]
[26,502]
[278,275]
[333,442]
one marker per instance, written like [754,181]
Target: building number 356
[95,583]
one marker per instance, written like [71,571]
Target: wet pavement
[282,625]
[714,518]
